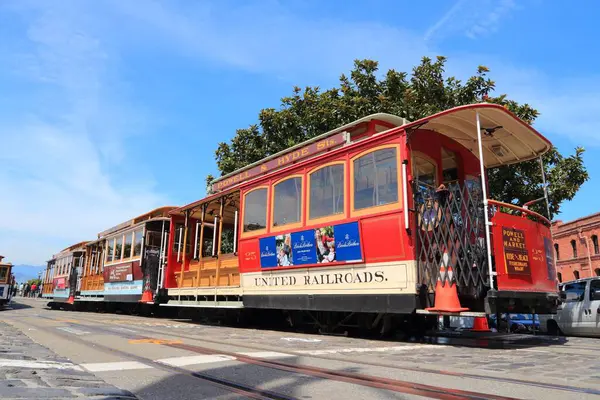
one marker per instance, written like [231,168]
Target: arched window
[424,171]
[287,202]
[595,243]
[556,249]
[574,246]
[597,271]
[559,276]
[449,167]
[576,274]
[326,191]
[376,178]
[255,210]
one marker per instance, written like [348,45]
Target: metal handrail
[523,211]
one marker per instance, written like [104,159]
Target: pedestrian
[27,290]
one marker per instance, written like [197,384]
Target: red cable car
[378,219]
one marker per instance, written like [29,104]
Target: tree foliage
[311,111]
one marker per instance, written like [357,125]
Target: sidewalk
[31,371]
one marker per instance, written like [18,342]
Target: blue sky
[109,108]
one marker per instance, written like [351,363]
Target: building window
[255,210]
[287,205]
[559,275]
[137,240]
[597,271]
[376,179]
[576,274]
[595,243]
[127,245]
[327,191]
[556,250]
[574,246]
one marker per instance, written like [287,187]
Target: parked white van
[579,312]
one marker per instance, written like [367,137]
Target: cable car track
[551,386]
[429,391]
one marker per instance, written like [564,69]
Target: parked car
[517,323]
[579,311]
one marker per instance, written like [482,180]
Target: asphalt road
[176,359]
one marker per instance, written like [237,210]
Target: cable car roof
[506,139]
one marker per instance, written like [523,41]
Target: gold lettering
[305,151]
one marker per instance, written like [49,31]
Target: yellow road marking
[155,341]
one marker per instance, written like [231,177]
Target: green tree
[311,111]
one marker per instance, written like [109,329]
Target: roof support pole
[161,265]
[545,189]
[488,243]
[185,233]
[201,247]
[221,212]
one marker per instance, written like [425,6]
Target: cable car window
[327,191]
[109,251]
[287,202]
[118,247]
[255,210]
[178,238]
[127,246]
[137,247]
[425,172]
[3,273]
[449,167]
[376,179]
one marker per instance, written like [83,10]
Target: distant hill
[23,273]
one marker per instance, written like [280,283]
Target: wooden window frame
[244,235]
[397,205]
[293,225]
[121,237]
[333,217]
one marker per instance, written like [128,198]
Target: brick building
[577,248]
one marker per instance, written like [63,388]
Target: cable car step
[456,314]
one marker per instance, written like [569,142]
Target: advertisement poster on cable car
[328,244]
[550,259]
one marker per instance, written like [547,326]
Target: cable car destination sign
[281,161]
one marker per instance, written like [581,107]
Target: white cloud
[471,18]
[267,38]
[451,13]
[69,136]
[489,22]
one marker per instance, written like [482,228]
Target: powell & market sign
[282,161]
[515,252]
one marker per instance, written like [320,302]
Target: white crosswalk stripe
[192,360]
[115,366]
